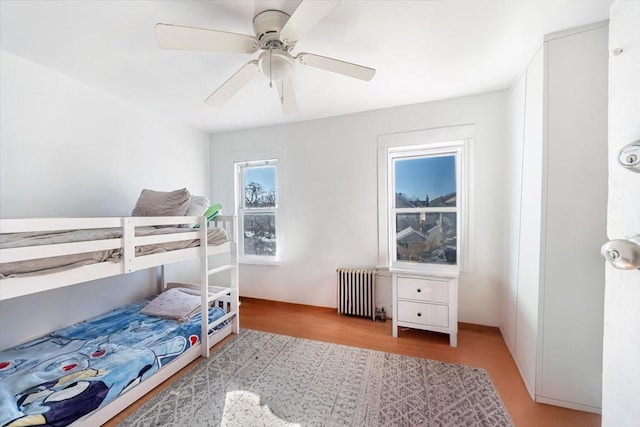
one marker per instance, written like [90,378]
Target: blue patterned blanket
[56,379]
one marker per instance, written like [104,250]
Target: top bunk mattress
[56,379]
[215,236]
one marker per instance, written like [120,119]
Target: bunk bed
[37,255]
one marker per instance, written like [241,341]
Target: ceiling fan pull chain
[282,92]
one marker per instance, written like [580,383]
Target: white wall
[330,199]
[69,149]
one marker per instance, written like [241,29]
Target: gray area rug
[262,379]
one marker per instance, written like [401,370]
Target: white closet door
[530,215]
[513,158]
[575,222]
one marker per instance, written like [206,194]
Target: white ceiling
[422,51]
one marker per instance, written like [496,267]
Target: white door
[621,347]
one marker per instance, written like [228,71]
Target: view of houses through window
[425,208]
[258,209]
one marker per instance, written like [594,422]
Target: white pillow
[198,205]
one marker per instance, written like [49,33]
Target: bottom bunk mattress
[56,379]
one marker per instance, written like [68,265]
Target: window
[257,201]
[423,196]
[424,211]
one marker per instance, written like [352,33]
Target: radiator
[357,292]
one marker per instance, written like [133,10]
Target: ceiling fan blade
[171,36]
[287,96]
[337,66]
[233,84]
[308,14]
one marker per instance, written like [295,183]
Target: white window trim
[254,159]
[241,211]
[438,140]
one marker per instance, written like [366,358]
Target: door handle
[623,254]
[629,156]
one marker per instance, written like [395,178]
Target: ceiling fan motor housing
[267,26]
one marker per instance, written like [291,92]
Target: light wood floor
[478,346]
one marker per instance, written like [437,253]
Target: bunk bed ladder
[205,273]
[234,279]
[232,267]
[204,287]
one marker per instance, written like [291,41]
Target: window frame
[242,210]
[449,148]
[435,140]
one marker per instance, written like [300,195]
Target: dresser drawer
[423,289]
[423,313]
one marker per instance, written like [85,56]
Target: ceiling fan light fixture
[276,65]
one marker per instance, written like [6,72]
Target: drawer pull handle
[419,290]
[419,314]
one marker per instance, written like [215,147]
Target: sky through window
[265,176]
[418,177]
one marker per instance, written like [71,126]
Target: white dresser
[426,302]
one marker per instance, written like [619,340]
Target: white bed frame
[225,296]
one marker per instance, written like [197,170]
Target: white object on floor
[242,408]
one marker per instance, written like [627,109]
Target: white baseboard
[570,405]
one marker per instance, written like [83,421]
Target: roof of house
[446,200]
[402,202]
[409,235]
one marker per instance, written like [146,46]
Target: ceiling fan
[276,34]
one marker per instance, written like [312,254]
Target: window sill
[439,272]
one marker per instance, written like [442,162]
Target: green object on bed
[211,213]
